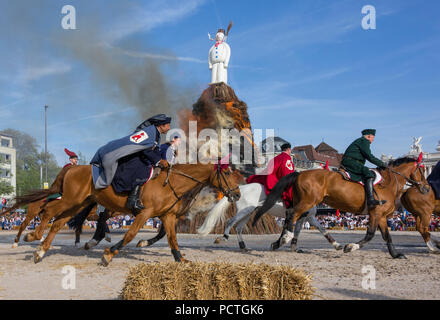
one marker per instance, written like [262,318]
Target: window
[5,158]
[5,143]
[5,173]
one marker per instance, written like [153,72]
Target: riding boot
[371,201]
[133,201]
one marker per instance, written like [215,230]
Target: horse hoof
[86,246]
[219,240]
[400,256]
[245,250]
[77,244]
[15,245]
[141,243]
[274,246]
[105,261]
[185,260]
[351,247]
[338,246]
[28,238]
[286,238]
[38,256]
[107,257]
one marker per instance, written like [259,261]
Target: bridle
[220,177]
[219,174]
[421,186]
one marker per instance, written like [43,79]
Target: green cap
[366,132]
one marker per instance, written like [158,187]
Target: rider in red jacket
[278,167]
[73,158]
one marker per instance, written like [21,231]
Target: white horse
[252,196]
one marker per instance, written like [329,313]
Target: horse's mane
[400,161]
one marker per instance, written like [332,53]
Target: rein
[420,185]
[178,198]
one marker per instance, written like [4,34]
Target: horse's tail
[33,196]
[275,194]
[77,221]
[214,215]
[39,194]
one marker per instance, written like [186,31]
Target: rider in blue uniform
[127,163]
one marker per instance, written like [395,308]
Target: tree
[5,188]
[30,162]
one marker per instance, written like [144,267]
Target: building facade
[8,167]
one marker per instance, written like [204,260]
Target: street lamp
[46,185]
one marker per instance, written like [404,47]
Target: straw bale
[216,281]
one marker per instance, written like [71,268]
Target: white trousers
[219,73]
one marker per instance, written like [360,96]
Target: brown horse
[423,205]
[164,197]
[315,186]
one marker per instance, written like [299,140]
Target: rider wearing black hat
[127,163]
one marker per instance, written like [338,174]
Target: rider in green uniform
[354,159]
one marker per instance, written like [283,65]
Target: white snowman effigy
[219,55]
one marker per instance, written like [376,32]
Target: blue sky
[305,68]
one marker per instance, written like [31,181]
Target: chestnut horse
[164,197]
[315,186]
[35,209]
[422,205]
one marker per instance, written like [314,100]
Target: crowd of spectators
[15,219]
[400,221]
[346,221]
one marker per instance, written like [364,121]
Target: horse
[252,196]
[315,186]
[164,197]
[423,205]
[36,209]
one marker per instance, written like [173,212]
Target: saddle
[346,176]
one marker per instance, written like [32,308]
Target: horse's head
[412,170]
[227,181]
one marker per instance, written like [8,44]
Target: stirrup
[373,203]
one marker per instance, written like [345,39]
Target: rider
[434,180]
[127,163]
[354,159]
[279,167]
[73,158]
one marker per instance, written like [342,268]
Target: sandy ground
[336,275]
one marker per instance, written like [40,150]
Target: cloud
[93,116]
[36,73]
[155,14]
[149,55]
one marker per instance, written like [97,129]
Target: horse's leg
[149,242]
[296,232]
[59,222]
[371,230]
[137,224]
[48,213]
[314,222]
[383,227]
[423,227]
[292,216]
[100,230]
[169,222]
[241,213]
[30,215]
[239,228]
[78,232]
